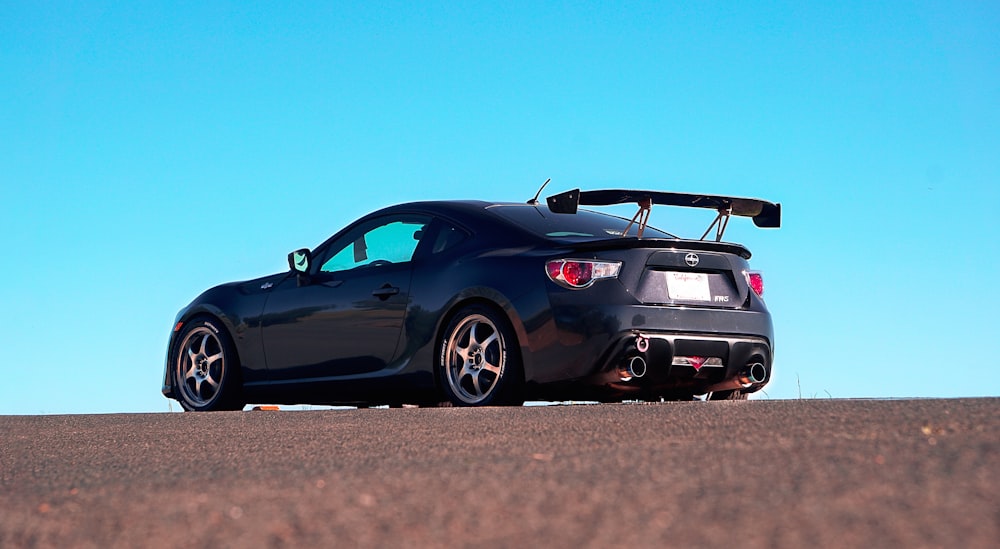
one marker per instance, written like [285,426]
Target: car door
[346,317]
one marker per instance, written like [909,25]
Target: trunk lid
[696,278]
[679,272]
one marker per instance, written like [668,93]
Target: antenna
[534,201]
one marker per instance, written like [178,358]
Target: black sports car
[481,303]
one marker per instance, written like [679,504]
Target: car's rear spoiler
[765,214]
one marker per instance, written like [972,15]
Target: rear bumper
[733,356]
[592,343]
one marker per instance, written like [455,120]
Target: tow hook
[641,343]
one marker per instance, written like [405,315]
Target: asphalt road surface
[809,473]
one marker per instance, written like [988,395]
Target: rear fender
[493,299]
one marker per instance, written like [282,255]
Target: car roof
[458,207]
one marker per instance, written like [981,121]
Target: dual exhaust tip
[634,367]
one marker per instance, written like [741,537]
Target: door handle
[385,292]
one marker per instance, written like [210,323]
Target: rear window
[582,226]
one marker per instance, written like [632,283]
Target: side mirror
[299,261]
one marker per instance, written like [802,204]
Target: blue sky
[149,150]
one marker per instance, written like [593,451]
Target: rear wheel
[206,369]
[479,361]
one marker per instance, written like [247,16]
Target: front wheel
[206,369]
[479,360]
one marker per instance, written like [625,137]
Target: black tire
[205,368]
[478,360]
[733,394]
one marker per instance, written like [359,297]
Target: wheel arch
[492,300]
[184,319]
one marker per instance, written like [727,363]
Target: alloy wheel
[474,358]
[201,366]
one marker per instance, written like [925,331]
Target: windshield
[584,225]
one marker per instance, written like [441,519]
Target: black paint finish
[371,335]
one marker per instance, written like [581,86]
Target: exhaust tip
[753,373]
[632,368]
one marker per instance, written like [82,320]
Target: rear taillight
[756,282]
[580,273]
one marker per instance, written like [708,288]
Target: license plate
[688,286]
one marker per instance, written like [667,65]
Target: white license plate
[688,286]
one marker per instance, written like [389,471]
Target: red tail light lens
[580,273]
[756,282]
[577,273]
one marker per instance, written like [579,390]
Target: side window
[384,241]
[447,237]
